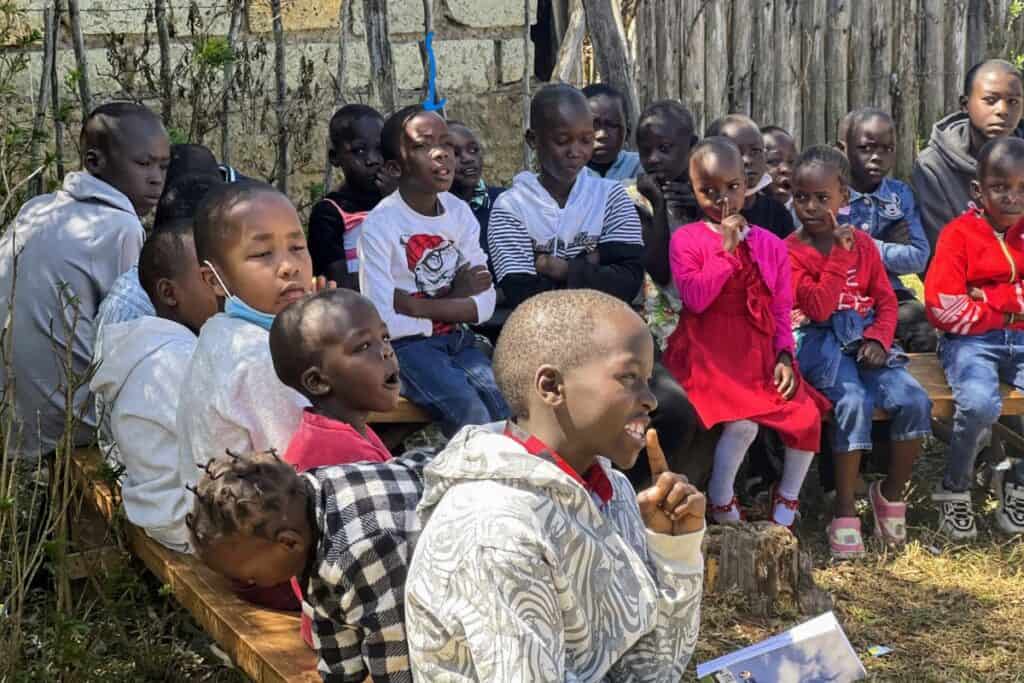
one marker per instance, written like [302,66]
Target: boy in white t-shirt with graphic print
[422,266]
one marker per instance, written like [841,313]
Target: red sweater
[843,280]
[969,254]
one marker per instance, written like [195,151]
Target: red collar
[594,480]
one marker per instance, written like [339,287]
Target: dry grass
[950,613]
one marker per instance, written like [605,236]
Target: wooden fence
[802,64]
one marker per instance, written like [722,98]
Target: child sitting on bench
[846,311]
[733,349]
[335,222]
[534,563]
[334,349]
[140,376]
[424,270]
[779,157]
[346,532]
[974,295]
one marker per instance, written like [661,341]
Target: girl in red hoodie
[846,312]
[974,294]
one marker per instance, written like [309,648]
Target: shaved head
[717,147]
[550,99]
[557,328]
[117,123]
[999,153]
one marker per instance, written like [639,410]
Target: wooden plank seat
[263,643]
[404,413]
[926,369]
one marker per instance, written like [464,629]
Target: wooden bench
[926,369]
[263,643]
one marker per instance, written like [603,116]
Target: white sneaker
[1010,494]
[956,515]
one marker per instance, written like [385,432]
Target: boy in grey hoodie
[70,246]
[990,108]
[140,374]
[537,561]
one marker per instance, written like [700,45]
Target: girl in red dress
[733,349]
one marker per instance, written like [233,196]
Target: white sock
[729,453]
[794,471]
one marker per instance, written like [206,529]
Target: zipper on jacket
[1009,257]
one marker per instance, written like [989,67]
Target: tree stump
[763,562]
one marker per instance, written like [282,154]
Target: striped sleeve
[621,220]
[510,246]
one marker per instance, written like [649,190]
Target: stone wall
[478,45]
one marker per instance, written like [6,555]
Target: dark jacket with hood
[943,173]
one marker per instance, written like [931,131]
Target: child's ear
[548,385]
[334,156]
[963,102]
[393,168]
[211,280]
[531,139]
[976,192]
[95,161]
[167,292]
[313,382]
[846,195]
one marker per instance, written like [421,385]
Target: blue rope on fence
[432,103]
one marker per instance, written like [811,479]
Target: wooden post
[906,91]
[605,26]
[280,103]
[163,35]
[933,63]
[859,92]
[382,64]
[744,14]
[526,81]
[837,64]
[344,14]
[229,75]
[956,52]
[55,108]
[569,51]
[813,88]
[666,83]
[790,68]
[977,33]
[882,26]
[764,96]
[81,61]
[692,93]
[43,96]
[716,60]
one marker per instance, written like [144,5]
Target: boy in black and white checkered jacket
[347,533]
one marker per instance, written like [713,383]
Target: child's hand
[672,505]
[593,257]
[976,294]
[898,233]
[785,378]
[871,354]
[470,281]
[321,283]
[679,202]
[553,267]
[405,304]
[648,186]
[843,234]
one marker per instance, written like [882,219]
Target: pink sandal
[844,538]
[890,518]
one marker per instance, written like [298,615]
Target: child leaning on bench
[537,560]
[846,311]
[975,295]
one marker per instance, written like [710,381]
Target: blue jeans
[974,365]
[859,390]
[450,379]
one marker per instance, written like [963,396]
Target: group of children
[238,357]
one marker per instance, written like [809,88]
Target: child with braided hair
[345,532]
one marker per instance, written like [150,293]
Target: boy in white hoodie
[534,563]
[71,246]
[140,376]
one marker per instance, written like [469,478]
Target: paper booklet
[813,652]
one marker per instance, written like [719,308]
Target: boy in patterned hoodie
[534,563]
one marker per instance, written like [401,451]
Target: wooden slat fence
[802,64]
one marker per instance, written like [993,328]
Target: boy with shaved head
[71,246]
[990,108]
[537,561]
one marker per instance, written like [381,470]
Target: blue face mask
[236,308]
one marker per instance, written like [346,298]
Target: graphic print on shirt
[583,243]
[851,299]
[958,311]
[890,209]
[433,261]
